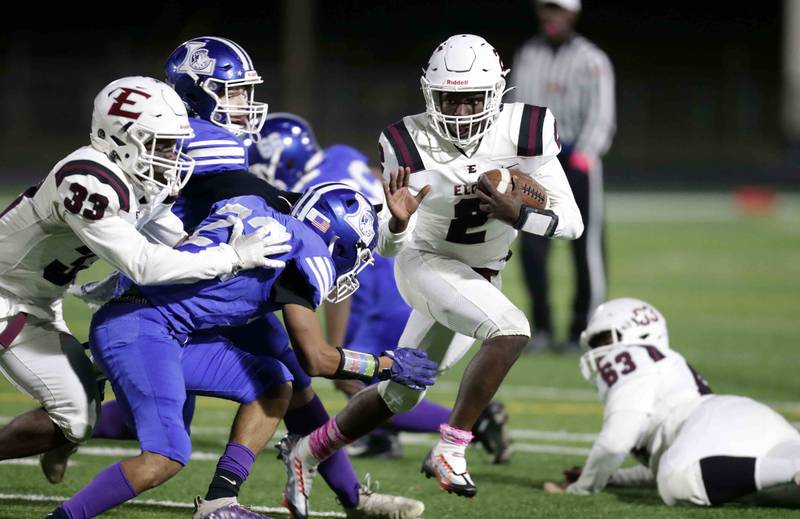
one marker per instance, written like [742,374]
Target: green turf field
[729,285]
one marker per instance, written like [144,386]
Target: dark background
[698,83]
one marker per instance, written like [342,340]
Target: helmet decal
[197,59]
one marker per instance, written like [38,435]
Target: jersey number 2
[467,216]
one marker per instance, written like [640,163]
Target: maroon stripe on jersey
[101,173]
[13,328]
[530,142]
[28,193]
[407,154]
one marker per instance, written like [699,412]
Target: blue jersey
[214,150]
[340,163]
[378,313]
[251,294]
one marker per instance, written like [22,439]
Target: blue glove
[411,367]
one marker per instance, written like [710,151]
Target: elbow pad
[542,222]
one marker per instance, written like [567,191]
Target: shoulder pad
[403,145]
[313,260]
[215,149]
[104,175]
[530,142]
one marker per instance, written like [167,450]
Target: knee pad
[76,431]
[77,419]
[399,398]
[174,444]
[511,322]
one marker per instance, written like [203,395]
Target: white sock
[778,466]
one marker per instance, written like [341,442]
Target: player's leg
[306,412]
[212,366]
[463,301]
[729,448]
[43,360]
[588,251]
[535,250]
[142,362]
[451,293]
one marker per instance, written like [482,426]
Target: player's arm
[569,223]
[636,476]
[337,315]
[409,367]
[91,208]
[165,227]
[621,431]
[398,217]
[533,132]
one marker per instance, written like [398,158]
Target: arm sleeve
[229,184]
[560,198]
[291,288]
[165,228]
[145,263]
[539,159]
[637,476]
[621,431]
[598,130]
[389,243]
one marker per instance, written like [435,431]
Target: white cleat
[449,466]
[299,477]
[372,505]
[54,462]
[223,508]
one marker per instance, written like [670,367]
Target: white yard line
[39,498]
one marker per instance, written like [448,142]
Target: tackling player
[108,200]
[697,447]
[157,343]
[216,80]
[449,256]
[289,157]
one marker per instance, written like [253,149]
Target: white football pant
[723,425]
[452,306]
[46,362]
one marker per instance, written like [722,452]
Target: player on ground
[449,256]
[699,448]
[106,200]
[289,157]
[157,343]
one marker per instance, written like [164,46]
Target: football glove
[411,367]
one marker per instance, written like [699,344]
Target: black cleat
[491,431]
[381,444]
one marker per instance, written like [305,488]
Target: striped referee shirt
[576,82]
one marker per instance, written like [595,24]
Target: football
[533,193]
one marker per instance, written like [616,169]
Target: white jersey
[448,222]
[648,394]
[86,208]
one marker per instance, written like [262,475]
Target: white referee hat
[569,5]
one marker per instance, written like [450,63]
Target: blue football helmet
[348,224]
[216,79]
[285,151]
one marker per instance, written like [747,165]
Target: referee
[564,71]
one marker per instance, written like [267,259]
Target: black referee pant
[588,255]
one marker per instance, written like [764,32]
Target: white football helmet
[464,63]
[624,321]
[141,123]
